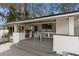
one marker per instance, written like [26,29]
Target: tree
[15,15]
[36,10]
[47,9]
[11,15]
[24,13]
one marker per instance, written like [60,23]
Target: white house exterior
[63,29]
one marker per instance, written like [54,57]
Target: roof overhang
[46,18]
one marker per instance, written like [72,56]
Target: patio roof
[46,18]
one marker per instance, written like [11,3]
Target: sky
[43,12]
[43,6]
[5,12]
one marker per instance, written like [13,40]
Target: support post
[71,25]
[15,28]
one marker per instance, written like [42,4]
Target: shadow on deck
[43,48]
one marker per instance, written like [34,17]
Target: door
[27,33]
[35,28]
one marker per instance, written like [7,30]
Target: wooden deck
[43,48]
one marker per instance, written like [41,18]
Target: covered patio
[47,29]
[36,29]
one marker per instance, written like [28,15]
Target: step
[69,54]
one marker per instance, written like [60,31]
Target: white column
[71,25]
[62,26]
[15,28]
[5,27]
[31,32]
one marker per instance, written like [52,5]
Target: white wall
[76,28]
[62,26]
[27,26]
[71,25]
[15,28]
[2,32]
[66,44]
[18,37]
[39,26]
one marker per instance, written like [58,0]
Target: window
[49,27]
[46,26]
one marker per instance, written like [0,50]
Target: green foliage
[13,15]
